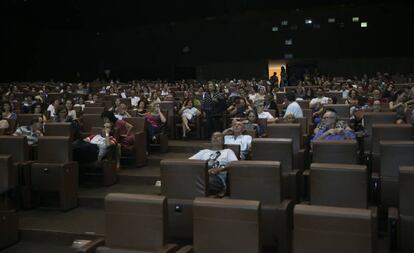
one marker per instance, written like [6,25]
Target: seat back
[371,118]
[256,180]
[406,208]
[392,132]
[59,129]
[54,149]
[93,110]
[91,120]
[138,123]
[8,174]
[184,178]
[331,151]
[273,149]
[236,223]
[342,110]
[24,119]
[333,229]
[341,185]
[144,217]
[16,146]
[291,131]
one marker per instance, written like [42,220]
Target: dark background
[135,39]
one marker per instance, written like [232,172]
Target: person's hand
[331,131]
[339,131]
[213,171]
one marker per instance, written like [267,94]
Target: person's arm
[129,127]
[162,117]
[228,131]
[393,106]
[322,136]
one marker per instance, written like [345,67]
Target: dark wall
[39,47]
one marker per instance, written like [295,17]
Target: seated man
[218,161]
[32,131]
[234,135]
[332,129]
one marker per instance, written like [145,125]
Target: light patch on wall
[355,19]
[275,29]
[331,20]
[364,24]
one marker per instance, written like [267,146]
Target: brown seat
[402,219]
[17,147]
[55,175]
[281,150]
[262,181]
[145,218]
[8,174]
[181,195]
[343,111]
[167,107]
[91,120]
[371,118]
[225,225]
[24,119]
[140,142]
[195,126]
[340,185]
[9,228]
[388,132]
[325,229]
[59,129]
[331,151]
[294,132]
[93,110]
[393,155]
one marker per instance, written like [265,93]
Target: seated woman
[38,109]
[4,124]
[62,116]
[332,129]
[69,108]
[122,112]
[154,119]
[7,112]
[238,108]
[188,113]
[250,125]
[400,105]
[115,106]
[123,132]
[141,108]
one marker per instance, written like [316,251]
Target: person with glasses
[332,129]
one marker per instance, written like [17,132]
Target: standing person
[283,77]
[213,106]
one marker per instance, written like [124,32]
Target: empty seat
[342,110]
[325,229]
[8,174]
[182,181]
[273,149]
[226,226]
[331,151]
[402,219]
[59,129]
[91,120]
[371,118]
[262,181]
[55,175]
[144,217]
[93,110]
[393,155]
[9,228]
[341,185]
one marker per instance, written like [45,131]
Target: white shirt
[226,156]
[52,110]
[135,100]
[294,109]
[245,142]
[265,115]
[72,114]
[323,100]
[190,113]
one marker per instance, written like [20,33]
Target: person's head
[142,105]
[259,105]
[319,92]
[56,103]
[81,101]
[376,94]
[122,108]
[117,102]
[262,90]
[38,109]
[155,107]
[376,106]
[252,116]
[62,113]
[211,87]
[69,105]
[108,117]
[330,117]
[290,118]
[35,124]
[7,107]
[217,140]
[237,127]
[353,94]
[95,98]
[188,102]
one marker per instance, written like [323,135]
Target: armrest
[393,227]
[294,185]
[140,148]
[375,188]
[186,249]
[169,248]
[91,246]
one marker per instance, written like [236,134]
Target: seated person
[103,143]
[32,131]
[259,105]
[155,118]
[250,124]
[123,132]
[332,129]
[218,161]
[293,108]
[122,112]
[234,135]
[4,124]
[188,113]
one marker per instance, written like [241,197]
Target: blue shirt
[347,135]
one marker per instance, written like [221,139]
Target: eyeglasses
[332,117]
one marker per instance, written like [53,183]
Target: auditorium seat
[401,220]
[17,147]
[59,129]
[93,110]
[262,181]
[393,155]
[331,151]
[326,229]
[340,185]
[281,150]
[134,223]
[140,141]
[342,110]
[89,121]
[25,118]
[9,228]
[182,181]
[225,226]
[371,118]
[54,174]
